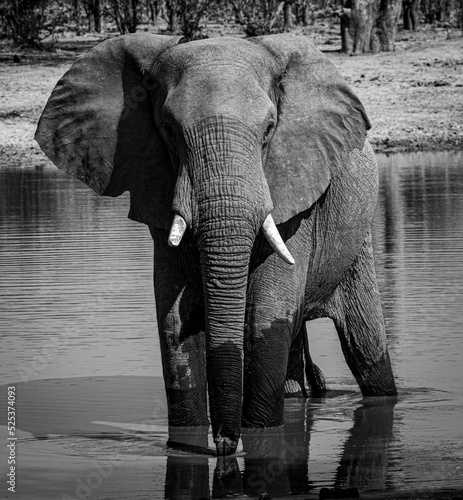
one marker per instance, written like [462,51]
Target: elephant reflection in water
[276,460]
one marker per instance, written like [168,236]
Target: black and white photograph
[231,249]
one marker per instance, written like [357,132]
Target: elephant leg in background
[356,311]
[295,382]
[180,318]
[314,375]
[300,363]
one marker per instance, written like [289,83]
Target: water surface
[79,341]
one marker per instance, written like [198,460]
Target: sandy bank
[414,96]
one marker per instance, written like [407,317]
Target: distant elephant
[220,141]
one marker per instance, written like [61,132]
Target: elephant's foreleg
[180,316]
[266,361]
[273,318]
[356,311]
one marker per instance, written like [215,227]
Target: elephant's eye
[268,133]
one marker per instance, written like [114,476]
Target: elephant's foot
[225,446]
[316,380]
[293,389]
[192,439]
[377,379]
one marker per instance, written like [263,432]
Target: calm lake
[79,343]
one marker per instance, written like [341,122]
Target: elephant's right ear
[98,125]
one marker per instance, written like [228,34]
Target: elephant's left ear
[320,121]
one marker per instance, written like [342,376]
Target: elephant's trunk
[231,202]
[225,249]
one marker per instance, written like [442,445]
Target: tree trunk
[410,13]
[154,11]
[388,19]
[173,23]
[117,16]
[76,16]
[358,23]
[369,25]
[171,16]
[305,14]
[134,17]
[441,10]
[97,15]
[287,15]
[94,15]
[87,4]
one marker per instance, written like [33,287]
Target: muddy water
[79,342]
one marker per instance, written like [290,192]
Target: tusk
[274,238]
[176,231]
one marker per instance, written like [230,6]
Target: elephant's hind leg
[300,362]
[314,375]
[356,311]
[295,383]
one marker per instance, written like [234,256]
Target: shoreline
[413,96]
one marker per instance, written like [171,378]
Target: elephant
[248,159]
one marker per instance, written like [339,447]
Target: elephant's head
[212,135]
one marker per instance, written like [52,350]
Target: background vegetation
[366,25]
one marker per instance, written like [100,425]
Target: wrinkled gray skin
[224,132]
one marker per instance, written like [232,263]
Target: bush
[186,16]
[125,13]
[258,17]
[29,22]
